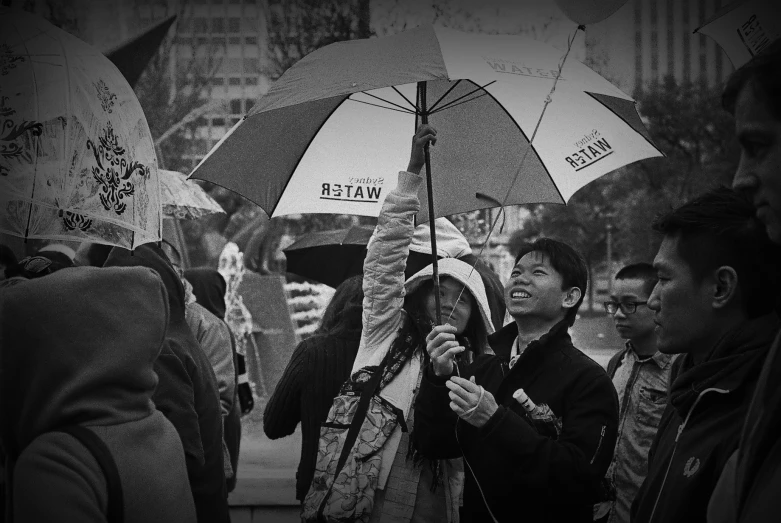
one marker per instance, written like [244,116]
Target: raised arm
[386,257]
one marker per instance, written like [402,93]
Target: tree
[686,123]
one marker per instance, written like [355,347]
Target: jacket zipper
[675,445]
[599,445]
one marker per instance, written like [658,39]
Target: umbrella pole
[429,188]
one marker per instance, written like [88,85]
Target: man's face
[456,305]
[640,324]
[683,312]
[535,289]
[759,171]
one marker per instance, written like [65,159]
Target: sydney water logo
[359,190]
[590,149]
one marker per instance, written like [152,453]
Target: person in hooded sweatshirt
[187,391]
[206,318]
[78,349]
[713,303]
[397,316]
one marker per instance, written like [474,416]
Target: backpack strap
[115,512]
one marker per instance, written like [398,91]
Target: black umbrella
[329,257]
[131,57]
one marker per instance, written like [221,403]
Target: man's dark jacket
[526,476]
[701,425]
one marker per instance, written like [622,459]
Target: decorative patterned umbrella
[77,160]
[184,199]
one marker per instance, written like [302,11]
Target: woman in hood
[78,350]
[394,309]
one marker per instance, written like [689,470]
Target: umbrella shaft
[429,187]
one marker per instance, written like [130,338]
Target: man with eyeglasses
[640,374]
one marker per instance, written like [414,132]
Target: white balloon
[587,12]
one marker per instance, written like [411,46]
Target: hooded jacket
[206,318]
[383,305]
[701,425]
[78,349]
[523,474]
[187,391]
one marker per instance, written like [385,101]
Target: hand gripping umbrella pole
[422,110]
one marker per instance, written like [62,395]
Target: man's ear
[725,287]
[572,297]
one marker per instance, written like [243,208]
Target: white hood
[464,273]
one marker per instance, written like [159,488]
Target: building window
[185,40]
[185,25]
[201,25]
[251,40]
[218,80]
[249,25]
[234,121]
[249,104]
[201,121]
[202,40]
[218,25]
[218,40]
[251,66]
[233,80]
[251,80]
[234,25]
[218,122]
[235,106]
[234,40]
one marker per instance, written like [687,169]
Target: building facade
[646,40]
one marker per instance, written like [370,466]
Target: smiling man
[713,303]
[641,375]
[515,472]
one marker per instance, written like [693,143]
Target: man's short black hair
[568,262]
[764,74]
[639,271]
[719,228]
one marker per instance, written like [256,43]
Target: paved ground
[267,468]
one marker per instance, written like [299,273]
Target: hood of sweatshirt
[78,347]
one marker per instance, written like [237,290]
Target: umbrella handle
[429,188]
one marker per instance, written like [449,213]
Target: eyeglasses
[627,307]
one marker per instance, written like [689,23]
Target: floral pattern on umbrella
[77,161]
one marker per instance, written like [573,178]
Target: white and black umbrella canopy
[331,132]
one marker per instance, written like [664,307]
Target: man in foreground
[714,304]
[518,465]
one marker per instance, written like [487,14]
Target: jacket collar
[660,359]
[502,340]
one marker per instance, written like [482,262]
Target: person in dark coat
[749,487]
[515,472]
[73,356]
[186,392]
[713,303]
[208,287]
[316,371]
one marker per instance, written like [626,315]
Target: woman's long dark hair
[345,310]
[475,330]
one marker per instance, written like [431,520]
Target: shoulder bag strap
[116,510]
[352,433]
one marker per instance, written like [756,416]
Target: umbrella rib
[402,110]
[400,107]
[414,107]
[452,103]
[433,107]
